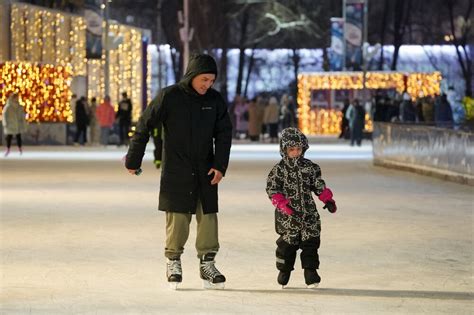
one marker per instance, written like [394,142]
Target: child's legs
[207,232]
[285,255]
[177,232]
[309,253]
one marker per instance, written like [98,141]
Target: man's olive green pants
[177,232]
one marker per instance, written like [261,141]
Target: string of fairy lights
[125,69]
[328,121]
[41,37]
[46,36]
[43,90]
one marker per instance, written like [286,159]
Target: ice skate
[174,273]
[283,278]
[311,278]
[211,277]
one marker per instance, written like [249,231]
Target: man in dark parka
[197,136]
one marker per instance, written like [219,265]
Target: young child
[289,186]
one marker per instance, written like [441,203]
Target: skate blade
[213,286]
[313,286]
[283,287]
[173,285]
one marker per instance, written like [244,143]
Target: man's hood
[198,64]
[292,137]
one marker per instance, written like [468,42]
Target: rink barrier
[439,152]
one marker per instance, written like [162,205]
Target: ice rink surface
[79,235]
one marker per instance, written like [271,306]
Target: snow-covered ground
[78,235]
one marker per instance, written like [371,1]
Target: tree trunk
[382,33]
[223,74]
[296,67]
[401,18]
[243,38]
[466,62]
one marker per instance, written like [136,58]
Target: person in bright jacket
[290,185]
[197,137]
[105,115]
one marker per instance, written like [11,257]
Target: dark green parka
[197,137]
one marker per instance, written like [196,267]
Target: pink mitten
[326,195]
[281,203]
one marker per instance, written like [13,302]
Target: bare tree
[400,22]
[460,42]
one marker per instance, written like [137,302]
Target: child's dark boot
[311,278]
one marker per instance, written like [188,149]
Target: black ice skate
[311,278]
[174,273]
[283,278]
[211,277]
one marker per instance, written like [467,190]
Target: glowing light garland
[125,69]
[47,36]
[328,121]
[43,90]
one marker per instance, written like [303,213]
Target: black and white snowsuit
[296,179]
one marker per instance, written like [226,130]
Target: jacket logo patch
[206,108]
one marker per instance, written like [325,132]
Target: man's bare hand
[217,176]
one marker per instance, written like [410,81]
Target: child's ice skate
[174,273]
[211,277]
[311,278]
[283,278]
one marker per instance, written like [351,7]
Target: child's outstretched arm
[274,191]
[324,194]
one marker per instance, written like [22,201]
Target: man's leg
[177,232]
[207,239]
[207,245]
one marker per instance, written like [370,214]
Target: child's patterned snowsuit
[296,179]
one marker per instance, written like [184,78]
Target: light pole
[106,47]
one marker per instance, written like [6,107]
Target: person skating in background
[124,117]
[14,122]
[105,114]
[290,185]
[197,136]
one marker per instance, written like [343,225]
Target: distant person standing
[254,129]
[272,118]
[124,117]
[241,117]
[105,114]
[407,109]
[82,120]
[442,112]
[356,117]
[14,122]
[93,125]
[344,121]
